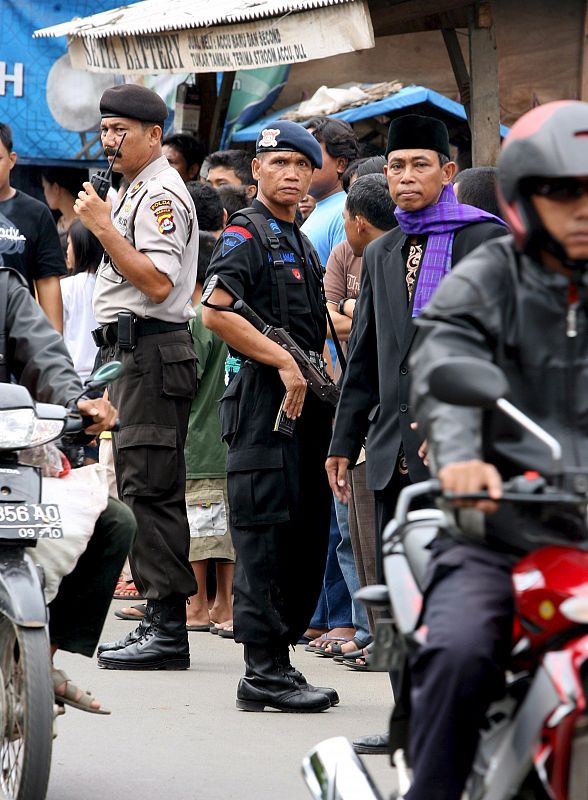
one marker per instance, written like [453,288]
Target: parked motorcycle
[535,740]
[26,689]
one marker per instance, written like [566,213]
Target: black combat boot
[266,683]
[163,645]
[284,657]
[131,637]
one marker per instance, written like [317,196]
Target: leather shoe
[132,636]
[284,658]
[376,744]
[163,644]
[267,684]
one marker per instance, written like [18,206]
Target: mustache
[110,151]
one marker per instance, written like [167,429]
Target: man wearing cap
[143,287]
[401,271]
[278,493]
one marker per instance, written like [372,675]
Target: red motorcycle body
[551,592]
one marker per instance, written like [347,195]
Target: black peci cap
[415,132]
[290,136]
[133,102]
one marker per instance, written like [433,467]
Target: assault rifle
[318,381]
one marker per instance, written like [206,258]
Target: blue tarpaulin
[406,98]
[47,105]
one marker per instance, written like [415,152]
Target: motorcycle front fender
[566,670]
[22,599]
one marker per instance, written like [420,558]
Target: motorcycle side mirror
[103,376]
[333,771]
[466,381]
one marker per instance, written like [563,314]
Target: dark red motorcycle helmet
[550,141]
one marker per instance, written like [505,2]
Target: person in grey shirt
[143,290]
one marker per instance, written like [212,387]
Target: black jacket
[375,389]
[33,352]
[506,308]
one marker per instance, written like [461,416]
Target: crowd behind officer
[141,301]
[279,498]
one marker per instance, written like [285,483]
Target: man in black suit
[401,271]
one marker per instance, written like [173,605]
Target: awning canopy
[150,37]
[418,99]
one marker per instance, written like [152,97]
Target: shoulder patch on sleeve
[163,212]
[232,237]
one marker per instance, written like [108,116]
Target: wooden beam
[220,110]
[485,106]
[208,97]
[583,72]
[460,70]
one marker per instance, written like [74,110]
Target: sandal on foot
[127,591]
[203,628]
[226,633]
[141,611]
[70,696]
[324,640]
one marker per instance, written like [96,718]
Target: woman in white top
[84,253]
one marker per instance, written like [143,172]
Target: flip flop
[83,703]
[325,638]
[141,608]
[203,628]
[131,591]
[226,633]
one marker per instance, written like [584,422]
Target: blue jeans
[334,606]
[349,572]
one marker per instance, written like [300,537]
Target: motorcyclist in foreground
[521,302]
[34,354]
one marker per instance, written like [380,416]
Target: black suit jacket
[376,386]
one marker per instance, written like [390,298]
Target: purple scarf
[439,222]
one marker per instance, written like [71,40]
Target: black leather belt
[108,334]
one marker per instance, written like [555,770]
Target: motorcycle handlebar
[519,489]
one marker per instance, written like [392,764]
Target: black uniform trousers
[153,396]
[469,608]
[78,611]
[280,504]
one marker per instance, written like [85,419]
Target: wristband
[341,306]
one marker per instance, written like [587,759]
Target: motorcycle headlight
[21,428]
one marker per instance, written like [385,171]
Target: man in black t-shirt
[279,497]
[29,242]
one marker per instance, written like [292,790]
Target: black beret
[133,102]
[290,136]
[415,132]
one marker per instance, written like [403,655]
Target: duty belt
[108,334]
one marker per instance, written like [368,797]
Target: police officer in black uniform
[278,494]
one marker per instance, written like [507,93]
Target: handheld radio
[101,180]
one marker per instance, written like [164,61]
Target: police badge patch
[162,209]
[232,237]
[269,137]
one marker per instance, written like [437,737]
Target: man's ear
[342,164]
[13,158]
[251,190]
[225,217]
[361,223]
[448,172]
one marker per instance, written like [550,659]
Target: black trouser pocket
[178,368]
[146,459]
[257,496]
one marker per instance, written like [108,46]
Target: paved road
[177,735]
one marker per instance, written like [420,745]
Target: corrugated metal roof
[155,16]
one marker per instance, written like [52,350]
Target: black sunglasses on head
[563,190]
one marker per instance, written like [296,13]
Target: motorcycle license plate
[30,521]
